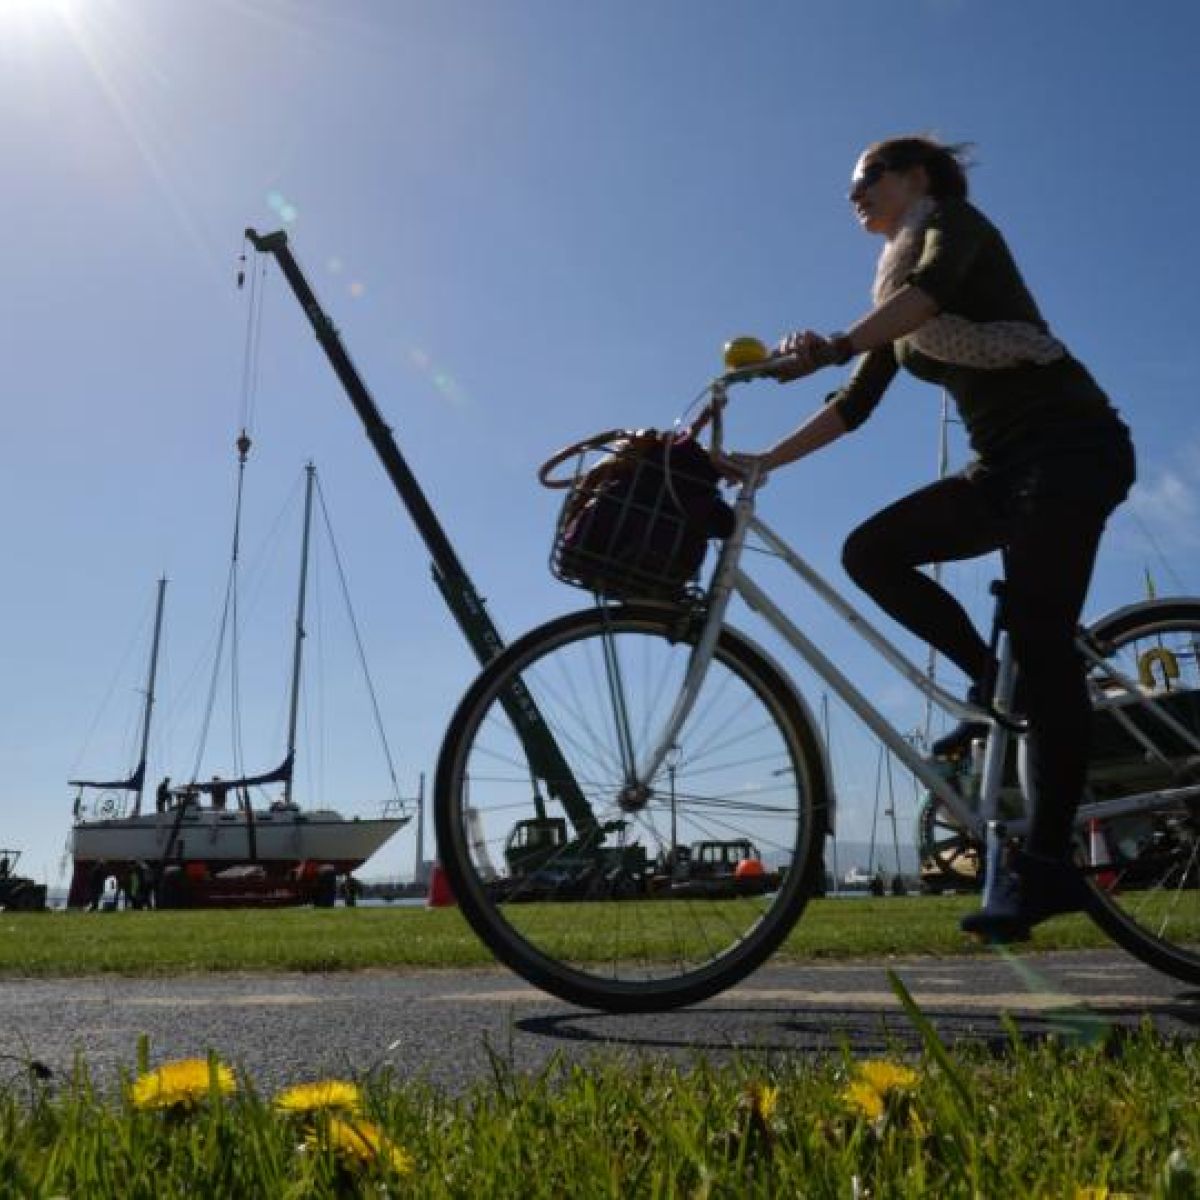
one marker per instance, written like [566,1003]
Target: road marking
[858,1000]
[1107,975]
[1032,1001]
[230,1000]
[511,996]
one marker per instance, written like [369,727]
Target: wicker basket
[636,523]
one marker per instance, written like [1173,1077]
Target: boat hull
[280,842]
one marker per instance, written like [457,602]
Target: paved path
[444,1025]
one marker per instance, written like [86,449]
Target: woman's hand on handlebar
[805,352]
[735,467]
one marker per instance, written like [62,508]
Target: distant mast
[421,866]
[926,731]
[298,645]
[151,677]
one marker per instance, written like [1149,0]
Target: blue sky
[530,220]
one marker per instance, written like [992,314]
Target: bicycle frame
[729,579]
[981,818]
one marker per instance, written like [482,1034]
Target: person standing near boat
[1053,460]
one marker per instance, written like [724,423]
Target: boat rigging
[135,783]
[196,850]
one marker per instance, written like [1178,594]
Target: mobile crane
[531,841]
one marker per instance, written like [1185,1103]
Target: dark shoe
[1032,890]
[957,743]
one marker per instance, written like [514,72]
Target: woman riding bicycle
[1052,462]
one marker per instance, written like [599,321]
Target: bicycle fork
[996,752]
[638,774]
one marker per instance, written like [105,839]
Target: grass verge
[149,943]
[158,943]
[1051,1119]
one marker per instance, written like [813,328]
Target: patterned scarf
[984,345]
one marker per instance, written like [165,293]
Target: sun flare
[35,19]
[30,10]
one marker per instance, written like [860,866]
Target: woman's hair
[945,163]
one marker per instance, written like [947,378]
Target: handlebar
[767,367]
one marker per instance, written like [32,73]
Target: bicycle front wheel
[1145,866]
[625,899]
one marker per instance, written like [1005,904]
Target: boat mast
[151,676]
[293,713]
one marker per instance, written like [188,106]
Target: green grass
[1095,1113]
[158,943]
[1044,1120]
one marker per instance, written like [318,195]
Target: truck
[18,893]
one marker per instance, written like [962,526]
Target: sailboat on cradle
[207,844]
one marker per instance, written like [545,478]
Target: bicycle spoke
[1145,863]
[693,878]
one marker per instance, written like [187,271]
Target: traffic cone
[1099,856]
[749,868]
[440,894]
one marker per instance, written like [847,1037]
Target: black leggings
[1046,516]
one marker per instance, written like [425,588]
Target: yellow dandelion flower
[762,1099]
[181,1084]
[863,1099]
[1100,1193]
[323,1095]
[886,1077]
[361,1144]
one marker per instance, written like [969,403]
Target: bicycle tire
[747,765]
[1144,869]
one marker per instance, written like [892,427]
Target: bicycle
[677,844]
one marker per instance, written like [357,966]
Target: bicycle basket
[636,524]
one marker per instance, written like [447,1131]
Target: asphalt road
[447,1026]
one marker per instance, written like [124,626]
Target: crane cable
[362,656]
[251,356]
[230,623]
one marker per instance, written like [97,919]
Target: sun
[33,16]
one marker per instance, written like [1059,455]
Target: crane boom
[546,761]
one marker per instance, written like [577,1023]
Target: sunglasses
[870,175]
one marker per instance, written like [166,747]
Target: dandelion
[761,1099]
[875,1081]
[1101,1193]
[862,1098]
[753,1132]
[360,1144]
[322,1096]
[887,1077]
[181,1084]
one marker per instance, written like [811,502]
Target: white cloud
[1169,504]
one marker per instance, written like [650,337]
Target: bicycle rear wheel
[1145,867]
[620,902]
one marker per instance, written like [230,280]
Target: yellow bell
[744,352]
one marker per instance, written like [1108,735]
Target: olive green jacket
[968,270]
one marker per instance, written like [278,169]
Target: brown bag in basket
[638,522]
